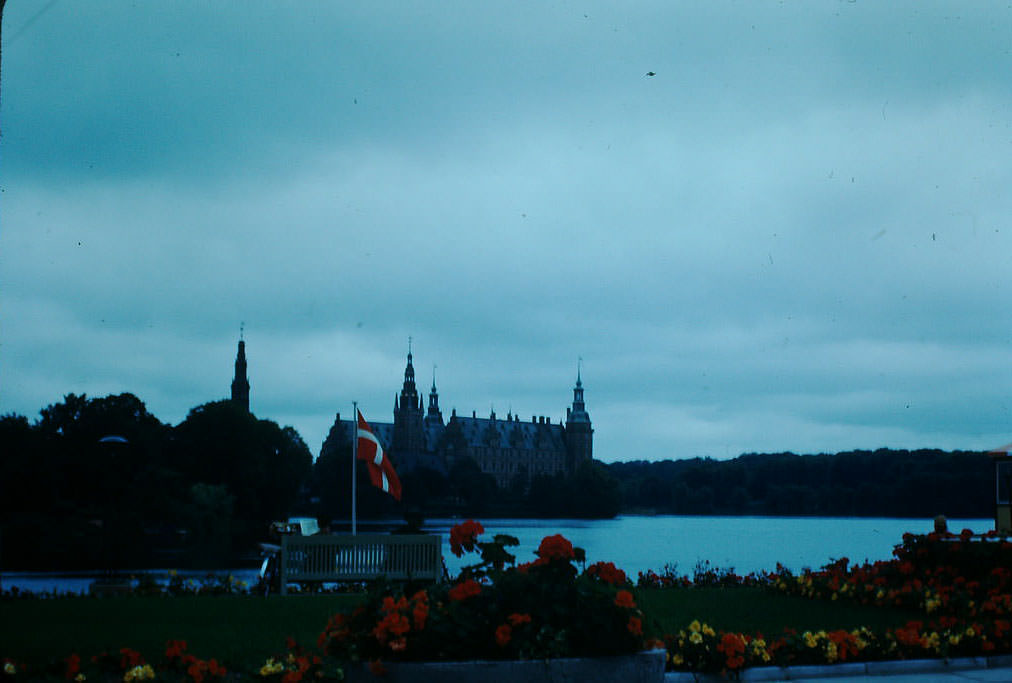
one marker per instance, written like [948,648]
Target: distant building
[511,450]
[240,383]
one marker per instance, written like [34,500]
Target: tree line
[880,483]
[101,482]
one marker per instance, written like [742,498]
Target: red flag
[381,470]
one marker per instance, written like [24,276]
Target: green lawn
[238,630]
[242,630]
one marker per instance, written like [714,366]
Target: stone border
[898,667]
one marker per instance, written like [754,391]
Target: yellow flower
[810,640]
[831,651]
[694,626]
[970,632]
[140,673]
[271,667]
[695,638]
[954,639]
[707,631]
[80,678]
[678,659]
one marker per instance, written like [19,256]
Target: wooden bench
[332,558]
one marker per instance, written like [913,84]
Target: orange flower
[733,647]
[394,623]
[635,626]
[465,590]
[625,599]
[503,634]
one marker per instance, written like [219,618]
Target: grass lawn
[241,631]
[238,630]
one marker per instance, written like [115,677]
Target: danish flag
[381,470]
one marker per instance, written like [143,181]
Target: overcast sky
[763,226]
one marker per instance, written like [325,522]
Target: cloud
[793,231]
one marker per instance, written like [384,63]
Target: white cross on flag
[381,470]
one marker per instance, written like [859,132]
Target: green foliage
[72,498]
[537,610]
[883,483]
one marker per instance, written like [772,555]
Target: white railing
[344,557]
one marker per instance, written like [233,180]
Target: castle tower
[579,434]
[433,416]
[240,384]
[409,439]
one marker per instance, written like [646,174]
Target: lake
[636,543]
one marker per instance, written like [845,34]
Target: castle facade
[511,450]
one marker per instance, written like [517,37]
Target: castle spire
[434,412]
[578,413]
[240,383]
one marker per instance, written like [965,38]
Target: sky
[753,226]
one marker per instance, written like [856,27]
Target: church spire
[240,383]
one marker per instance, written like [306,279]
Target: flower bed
[550,610]
[496,610]
[961,583]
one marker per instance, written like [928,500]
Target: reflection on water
[637,544]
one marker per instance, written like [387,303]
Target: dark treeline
[881,483]
[102,483]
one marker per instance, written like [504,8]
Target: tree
[260,464]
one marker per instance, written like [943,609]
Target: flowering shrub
[544,608]
[961,582]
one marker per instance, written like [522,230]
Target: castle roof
[511,433]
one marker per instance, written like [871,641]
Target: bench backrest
[344,557]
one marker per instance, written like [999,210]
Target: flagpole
[354,456]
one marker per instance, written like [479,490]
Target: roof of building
[510,433]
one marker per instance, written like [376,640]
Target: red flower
[607,572]
[635,626]
[625,599]
[421,611]
[73,666]
[175,648]
[733,647]
[394,623]
[503,635]
[555,548]
[517,619]
[130,658]
[376,668]
[465,590]
[464,535]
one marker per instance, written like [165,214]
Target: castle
[511,450]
